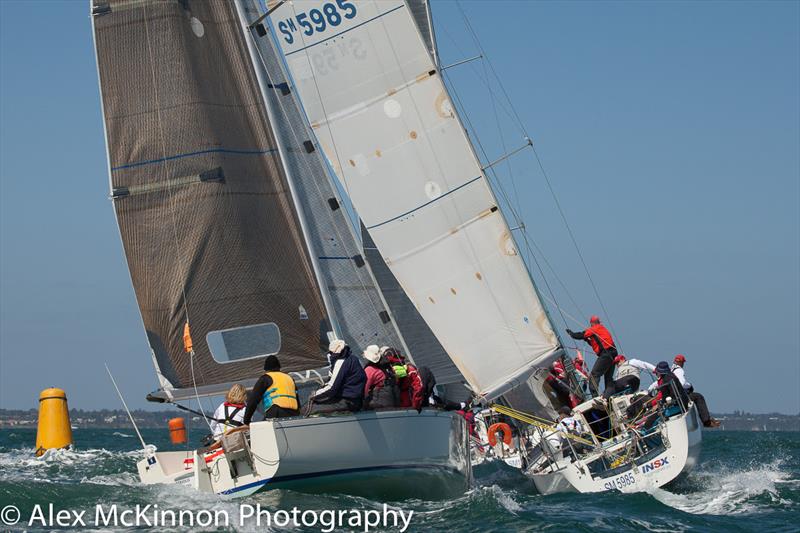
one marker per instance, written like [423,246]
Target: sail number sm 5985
[329,15]
[619,482]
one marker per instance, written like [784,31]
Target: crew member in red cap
[599,338]
[698,399]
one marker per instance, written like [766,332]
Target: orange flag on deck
[187,338]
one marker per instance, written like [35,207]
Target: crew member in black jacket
[277,392]
[344,391]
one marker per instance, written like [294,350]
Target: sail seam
[451,191]
[191,154]
[345,31]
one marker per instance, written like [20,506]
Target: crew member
[412,390]
[698,399]
[345,388]
[557,379]
[230,413]
[599,338]
[381,389]
[628,377]
[568,423]
[431,398]
[667,385]
[580,365]
[275,390]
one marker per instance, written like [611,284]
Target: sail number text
[620,482]
[317,20]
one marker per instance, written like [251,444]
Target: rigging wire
[541,167]
[499,185]
[491,171]
[170,196]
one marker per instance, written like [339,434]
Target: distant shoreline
[116,418]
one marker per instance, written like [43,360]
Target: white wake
[730,491]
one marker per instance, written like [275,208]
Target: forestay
[387,126]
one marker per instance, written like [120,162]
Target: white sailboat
[621,457]
[232,128]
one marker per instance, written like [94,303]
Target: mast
[434,47]
[259,71]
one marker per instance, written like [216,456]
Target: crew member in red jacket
[412,393]
[599,338]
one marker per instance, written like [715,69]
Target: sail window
[246,342]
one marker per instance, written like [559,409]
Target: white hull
[681,438]
[329,450]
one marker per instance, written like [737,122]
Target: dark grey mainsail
[206,218]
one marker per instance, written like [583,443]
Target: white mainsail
[384,120]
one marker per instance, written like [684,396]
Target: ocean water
[745,482]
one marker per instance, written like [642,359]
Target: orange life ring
[500,426]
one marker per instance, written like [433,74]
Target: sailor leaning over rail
[275,390]
[698,399]
[667,390]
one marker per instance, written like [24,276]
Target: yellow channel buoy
[54,430]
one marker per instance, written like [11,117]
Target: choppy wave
[761,494]
[69,465]
[732,492]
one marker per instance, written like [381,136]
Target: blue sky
[669,131]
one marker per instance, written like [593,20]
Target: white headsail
[384,119]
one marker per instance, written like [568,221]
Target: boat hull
[413,451]
[682,438]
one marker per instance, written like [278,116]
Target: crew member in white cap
[381,389]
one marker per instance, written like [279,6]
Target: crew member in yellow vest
[275,390]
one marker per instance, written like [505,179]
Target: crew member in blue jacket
[344,391]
